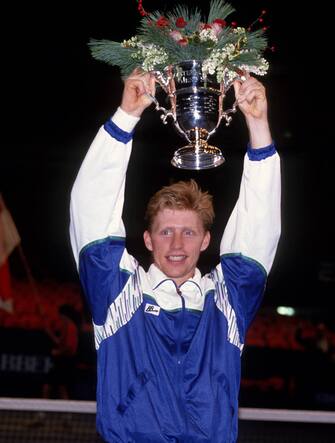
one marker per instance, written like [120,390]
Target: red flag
[9,239]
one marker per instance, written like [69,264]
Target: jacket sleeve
[97,232]
[253,229]
[251,236]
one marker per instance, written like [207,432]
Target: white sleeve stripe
[222,302]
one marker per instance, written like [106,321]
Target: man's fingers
[152,85]
[144,83]
[237,87]
[249,90]
[138,71]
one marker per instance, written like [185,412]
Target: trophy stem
[198,136]
[198,154]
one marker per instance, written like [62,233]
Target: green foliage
[219,9]
[160,42]
[256,40]
[113,54]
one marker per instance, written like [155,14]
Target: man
[169,340]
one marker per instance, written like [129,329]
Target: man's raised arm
[253,229]
[98,193]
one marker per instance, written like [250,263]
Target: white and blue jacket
[169,357]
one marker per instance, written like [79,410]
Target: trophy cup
[196,102]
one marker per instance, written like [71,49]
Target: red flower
[220,22]
[180,22]
[183,42]
[162,22]
[206,26]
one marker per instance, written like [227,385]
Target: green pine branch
[113,54]
[219,9]
[256,40]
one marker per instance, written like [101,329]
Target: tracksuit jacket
[168,357]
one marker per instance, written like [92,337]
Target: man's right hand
[137,86]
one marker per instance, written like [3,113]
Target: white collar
[165,290]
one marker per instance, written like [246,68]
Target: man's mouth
[176,258]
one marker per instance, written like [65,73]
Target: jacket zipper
[179,360]
[181,326]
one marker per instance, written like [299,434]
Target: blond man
[169,340]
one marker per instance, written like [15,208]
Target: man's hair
[182,195]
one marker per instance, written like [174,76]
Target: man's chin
[177,272]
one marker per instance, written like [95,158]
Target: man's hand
[135,97]
[251,99]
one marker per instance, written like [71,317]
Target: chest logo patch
[152,309]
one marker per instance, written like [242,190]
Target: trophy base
[202,157]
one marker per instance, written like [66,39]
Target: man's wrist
[124,120]
[259,133]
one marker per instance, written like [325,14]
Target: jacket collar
[157,277]
[169,296]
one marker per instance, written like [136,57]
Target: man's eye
[189,233]
[166,232]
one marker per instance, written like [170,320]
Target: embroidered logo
[152,309]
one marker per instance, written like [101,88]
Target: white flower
[208,34]
[131,43]
[218,59]
[259,69]
[239,30]
[152,56]
[221,63]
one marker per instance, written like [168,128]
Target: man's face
[176,239]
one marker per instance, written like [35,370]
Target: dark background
[56,97]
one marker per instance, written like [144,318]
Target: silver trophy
[196,102]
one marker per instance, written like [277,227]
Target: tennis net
[56,421]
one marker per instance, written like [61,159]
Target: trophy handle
[166,81]
[163,78]
[226,114]
[168,113]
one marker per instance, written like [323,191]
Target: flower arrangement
[224,49]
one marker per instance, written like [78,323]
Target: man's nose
[177,241]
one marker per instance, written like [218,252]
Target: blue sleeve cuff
[117,133]
[261,153]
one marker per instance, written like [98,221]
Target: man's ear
[205,241]
[147,240]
